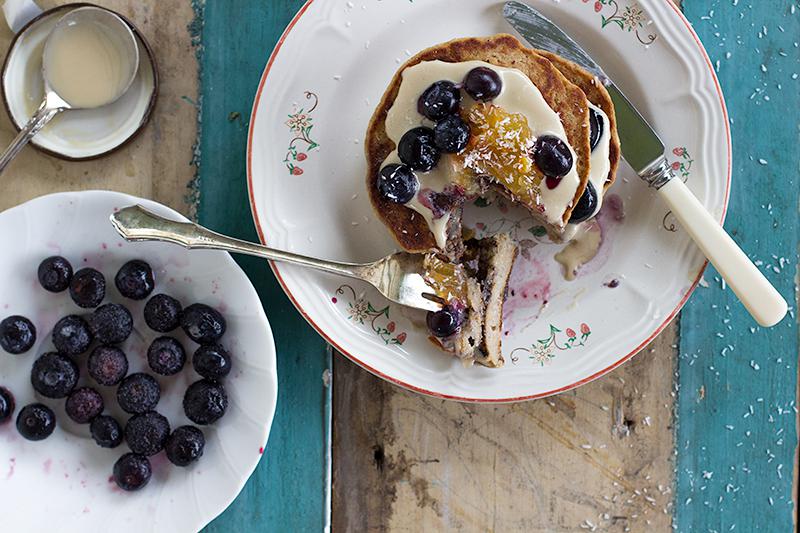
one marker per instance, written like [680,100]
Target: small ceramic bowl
[81,134]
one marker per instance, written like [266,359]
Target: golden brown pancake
[567,99]
[598,95]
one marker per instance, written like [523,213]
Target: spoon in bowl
[90,59]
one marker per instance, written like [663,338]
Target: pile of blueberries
[55,374]
[420,148]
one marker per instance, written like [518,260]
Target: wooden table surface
[696,433]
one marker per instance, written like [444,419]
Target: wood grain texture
[597,456]
[158,163]
[737,432]
[288,490]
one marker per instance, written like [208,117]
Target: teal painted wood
[737,437]
[288,491]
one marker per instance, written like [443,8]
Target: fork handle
[757,294]
[136,223]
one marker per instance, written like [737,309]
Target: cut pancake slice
[536,91]
[488,263]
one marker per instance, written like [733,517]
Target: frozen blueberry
[54,375]
[132,472]
[483,84]
[596,128]
[163,313]
[111,323]
[135,280]
[83,405]
[72,335]
[203,324]
[166,356]
[87,288]
[586,206]
[451,134]
[17,334]
[138,393]
[418,150]
[147,433]
[36,421]
[6,405]
[107,365]
[205,402]
[185,445]
[55,273]
[552,156]
[397,183]
[439,100]
[106,431]
[212,361]
[444,322]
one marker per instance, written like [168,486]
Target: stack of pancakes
[567,89]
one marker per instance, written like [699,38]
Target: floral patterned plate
[306,176]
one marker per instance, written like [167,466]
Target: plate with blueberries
[570,314]
[137,380]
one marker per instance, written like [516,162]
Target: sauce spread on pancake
[519,99]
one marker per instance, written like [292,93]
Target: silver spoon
[59,92]
[400,277]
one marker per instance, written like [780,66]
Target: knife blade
[644,151]
[641,145]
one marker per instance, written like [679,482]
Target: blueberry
[439,100]
[54,375]
[483,84]
[55,273]
[586,206]
[36,421]
[111,323]
[451,134]
[205,402]
[397,183]
[87,288]
[6,405]
[135,280]
[147,433]
[83,405]
[138,393]
[163,313]
[444,322]
[106,431]
[212,362]
[107,365]
[17,334]
[185,445]
[417,149]
[166,356]
[72,335]
[132,472]
[203,324]
[552,156]
[597,125]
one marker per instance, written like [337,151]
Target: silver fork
[399,277]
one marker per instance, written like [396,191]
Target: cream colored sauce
[518,95]
[581,249]
[86,64]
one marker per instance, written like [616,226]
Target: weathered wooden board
[288,490]
[737,433]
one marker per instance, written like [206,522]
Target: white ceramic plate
[306,172]
[84,133]
[63,483]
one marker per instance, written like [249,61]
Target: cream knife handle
[757,294]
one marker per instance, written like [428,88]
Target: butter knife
[644,151]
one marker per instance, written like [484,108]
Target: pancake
[409,228]
[597,94]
